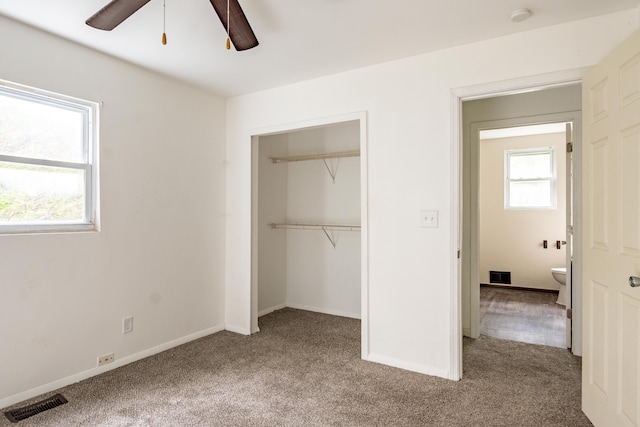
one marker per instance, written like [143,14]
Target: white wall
[160,253]
[318,277]
[511,239]
[410,158]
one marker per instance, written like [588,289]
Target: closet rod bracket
[326,228]
[323,157]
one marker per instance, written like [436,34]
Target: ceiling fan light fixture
[520,15]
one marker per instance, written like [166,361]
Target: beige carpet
[304,369]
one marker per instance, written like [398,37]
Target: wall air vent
[503,277]
[25,412]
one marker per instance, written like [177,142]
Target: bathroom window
[530,179]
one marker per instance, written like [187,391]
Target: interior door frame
[468,93]
[573,117]
[573,175]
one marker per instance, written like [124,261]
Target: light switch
[429,219]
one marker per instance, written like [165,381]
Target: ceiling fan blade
[240,33]
[114,13]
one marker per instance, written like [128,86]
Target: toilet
[560,274]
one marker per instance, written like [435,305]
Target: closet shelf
[324,227]
[333,170]
[308,226]
[319,156]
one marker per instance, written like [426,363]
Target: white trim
[577,263]
[253,313]
[58,228]
[413,367]
[237,329]
[486,90]
[519,85]
[455,291]
[271,309]
[364,237]
[89,164]
[308,124]
[63,382]
[323,310]
[44,162]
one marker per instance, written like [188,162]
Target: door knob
[634,281]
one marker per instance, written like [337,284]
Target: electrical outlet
[127,324]
[105,358]
[429,219]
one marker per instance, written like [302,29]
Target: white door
[611,246]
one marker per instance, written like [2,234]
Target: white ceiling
[299,39]
[528,130]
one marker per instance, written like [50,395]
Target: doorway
[544,106]
[523,176]
[309,211]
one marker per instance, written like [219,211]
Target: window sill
[47,228]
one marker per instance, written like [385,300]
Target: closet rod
[299,226]
[354,153]
[326,228]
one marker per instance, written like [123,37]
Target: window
[48,177]
[530,179]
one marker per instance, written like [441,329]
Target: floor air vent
[28,411]
[503,277]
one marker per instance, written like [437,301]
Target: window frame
[553,196]
[89,163]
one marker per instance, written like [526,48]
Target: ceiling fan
[229,12]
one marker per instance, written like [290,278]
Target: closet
[308,220]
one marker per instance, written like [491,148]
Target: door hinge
[569,147]
[569,313]
[458,253]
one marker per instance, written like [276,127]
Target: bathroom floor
[522,315]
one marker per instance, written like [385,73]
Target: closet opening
[309,220]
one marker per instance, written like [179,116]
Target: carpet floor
[304,369]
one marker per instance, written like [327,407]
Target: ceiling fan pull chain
[228,27]
[164,22]
[117,11]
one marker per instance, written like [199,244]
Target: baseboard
[324,311]
[408,366]
[271,309]
[466,332]
[521,288]
[236,329]
[63,382]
